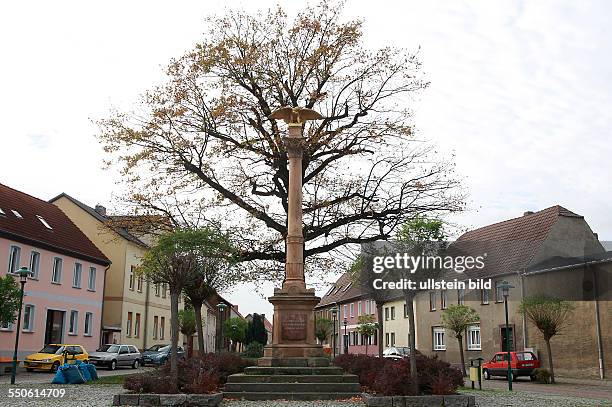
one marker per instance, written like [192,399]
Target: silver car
[113,355]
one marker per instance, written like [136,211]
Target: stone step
[293,387]
[269,370]
[306,396]
[249,378]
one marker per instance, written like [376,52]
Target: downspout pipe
[600,351]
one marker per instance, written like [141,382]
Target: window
[28,318]
[499,295]
[44,222]
[352,309]
[164,290]
[91,281]
[443,299]
[345,311]
[88,322]
[473,337]
[392,313]
[17,214]
[128,327]
[460,296]
[6,326]
[405,311]
[137,326]
[56,274]
[157,289]
[484,295]
[347,287]
[392,338]
[438,339]
[359,308]
[162,324]
[155,326]
[139,284]
[132,278]
[34,263]
[2,212]
[386,313]
[14,255]
[74,322]
[432,300]
[76,277]
[387,339]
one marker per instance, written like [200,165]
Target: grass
[118,379]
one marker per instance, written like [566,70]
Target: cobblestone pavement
[102,395]
[563,388]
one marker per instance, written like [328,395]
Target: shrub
[203,374]
[253,350]
[392,377]
[542,375]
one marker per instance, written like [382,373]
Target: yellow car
[52,356]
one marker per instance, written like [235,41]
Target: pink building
[350,303]
[63,299]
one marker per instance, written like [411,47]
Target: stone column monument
[293,338]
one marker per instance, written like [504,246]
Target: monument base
[293,335]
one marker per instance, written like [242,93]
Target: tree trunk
[550,361]
[174,335]
[366,343]
[379,316]
[460,340]
[199,328]
[414,379]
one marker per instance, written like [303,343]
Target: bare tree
[201,145]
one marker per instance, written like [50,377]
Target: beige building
[395,323]
[135,311]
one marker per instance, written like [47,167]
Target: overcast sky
[521,93]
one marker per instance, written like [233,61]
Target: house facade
[552,252]
[136,312]
[63,299]
[350,302]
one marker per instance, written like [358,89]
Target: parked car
[522,364]
[113,355]
[52,356]
[396,352]
[159,354]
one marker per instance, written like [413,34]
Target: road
[25,377]
[563,387]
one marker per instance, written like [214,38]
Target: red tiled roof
[63,237]
[267,325]
[343,290]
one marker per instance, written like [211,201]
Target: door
[124,356]
[54,326]
[504,334]
[499,365]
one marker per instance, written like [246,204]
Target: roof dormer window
[16,214]
[2,212]
[44,222]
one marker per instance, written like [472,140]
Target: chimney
[101,210]
[527,213]
[596,236]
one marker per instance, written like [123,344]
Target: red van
[522,364]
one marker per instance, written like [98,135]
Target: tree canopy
[9,299]
[200,146]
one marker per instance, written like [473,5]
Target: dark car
[113,355]
[522,364]
[159,354]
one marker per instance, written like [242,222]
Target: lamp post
[346,338]
[234,344]
[505,287]
[23,274]
[334,313]
[221,306]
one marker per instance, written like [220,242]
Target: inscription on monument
[293,326]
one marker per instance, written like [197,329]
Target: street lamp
[221,307]
[234,344]
[346,338]
[505,287]
[334,313]
[23,274]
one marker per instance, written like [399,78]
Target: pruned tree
[201,145]
[256,330]
[236,329]
[458,318]
[367,327]
[214,273]
[551,316]
[323,329]
[9,298]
